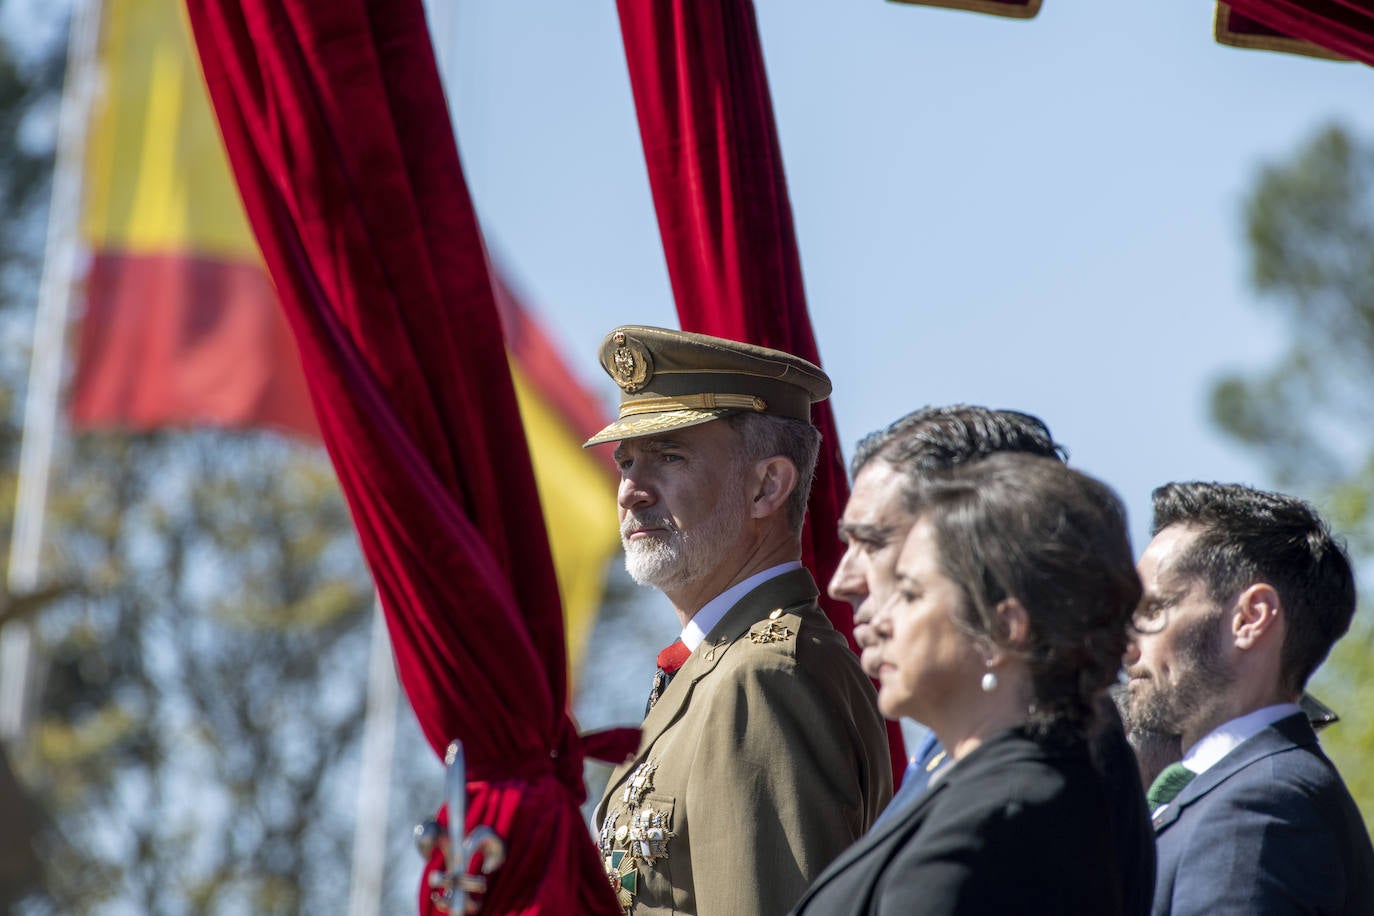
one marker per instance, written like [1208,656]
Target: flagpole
[370,827]
[60,267]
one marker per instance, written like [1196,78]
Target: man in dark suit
[1245,593]
[762,755]
[931,441]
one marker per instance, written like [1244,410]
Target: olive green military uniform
[764,758]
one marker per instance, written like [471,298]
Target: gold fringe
[991,7]
[1280,43]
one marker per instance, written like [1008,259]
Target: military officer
[764,755]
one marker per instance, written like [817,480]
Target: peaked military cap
[675,379]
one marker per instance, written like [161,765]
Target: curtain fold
[1345,27]
[336,127]
[716,174]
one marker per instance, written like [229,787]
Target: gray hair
[766,436]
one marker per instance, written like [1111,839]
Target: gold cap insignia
[631,365]
[675,379]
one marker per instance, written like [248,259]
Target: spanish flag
[181,325]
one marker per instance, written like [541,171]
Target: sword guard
[483,852]
[427,836]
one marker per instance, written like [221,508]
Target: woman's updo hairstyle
[1030,528]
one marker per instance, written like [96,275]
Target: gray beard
[682,558]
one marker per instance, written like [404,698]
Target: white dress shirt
[1228,736]
[712,611]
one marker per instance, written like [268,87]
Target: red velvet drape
[1343,26]
[716,172]
[337,131]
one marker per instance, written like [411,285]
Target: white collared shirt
[712,611]
[1228,736]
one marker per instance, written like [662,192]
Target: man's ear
[1255,616]
[774,480]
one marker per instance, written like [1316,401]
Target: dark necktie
[669,661]
[1168,784]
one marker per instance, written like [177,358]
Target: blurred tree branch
[201,638]
[1309,415]
[26,607]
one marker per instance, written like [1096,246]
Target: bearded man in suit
[1245,593]
[762,754]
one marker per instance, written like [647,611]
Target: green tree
[1310,417]
[202,634]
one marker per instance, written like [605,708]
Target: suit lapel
[1285,734]
[998,753]
[903,821]
[791,588]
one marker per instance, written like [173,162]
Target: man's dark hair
[935,439]
[1024,527]
[1247,536]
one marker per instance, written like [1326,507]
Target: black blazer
[1130,823]
[1020,825]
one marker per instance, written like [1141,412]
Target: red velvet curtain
[336,127]
[1343,26]
[716,172]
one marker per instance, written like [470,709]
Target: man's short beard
[679,559]
[1202,675]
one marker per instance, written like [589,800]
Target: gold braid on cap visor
[692,402]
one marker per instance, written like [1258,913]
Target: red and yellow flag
[182,326]
[576,486]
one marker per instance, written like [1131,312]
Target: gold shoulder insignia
[769,633]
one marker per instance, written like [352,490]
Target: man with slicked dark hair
[1245,592]
[888,466]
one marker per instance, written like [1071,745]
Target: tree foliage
[1310,416]
[202,636]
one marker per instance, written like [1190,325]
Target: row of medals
[643,839]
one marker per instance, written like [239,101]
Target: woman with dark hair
[1014,592]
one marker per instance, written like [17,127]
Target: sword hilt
[459,887]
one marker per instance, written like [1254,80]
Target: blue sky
[1043,215]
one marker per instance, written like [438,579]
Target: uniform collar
[712,611]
